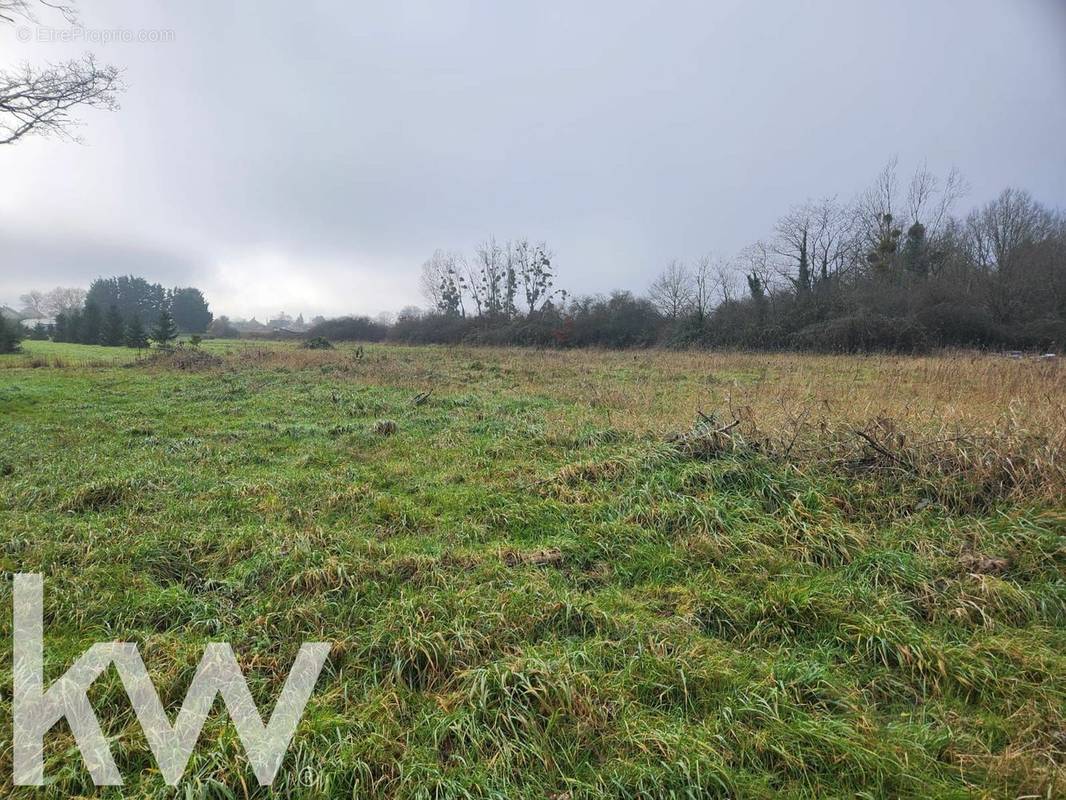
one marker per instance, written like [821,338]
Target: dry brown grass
[999,423]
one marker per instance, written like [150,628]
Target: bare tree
[34,301]
[533,267]
[488,278]
[756,261]
[40,100]
[713,282]
[1000,229]
[833,243]
[442,282]
[703,284]
[725,281]
[878,201]
[434,272]
[10,10]
[1010,239]
[930,200]
[792,245]
[671,293]
[64,299]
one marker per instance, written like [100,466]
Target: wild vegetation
[892,270]
[558,573]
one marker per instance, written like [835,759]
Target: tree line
[123,311]
[894,269]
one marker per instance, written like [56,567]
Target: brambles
[182,358]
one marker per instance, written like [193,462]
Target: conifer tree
[165,330]
[91,325]
[135,335]
[114,330]
[10,335]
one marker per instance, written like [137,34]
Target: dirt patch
[549,557]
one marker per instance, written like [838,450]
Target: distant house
[286,333]
[33,322]
[250,326]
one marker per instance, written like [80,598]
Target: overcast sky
[309,156]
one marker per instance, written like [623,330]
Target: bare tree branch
[10,10]
[40,99]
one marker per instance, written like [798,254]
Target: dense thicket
[353,329]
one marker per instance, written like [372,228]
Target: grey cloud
[328,148]
[47,260]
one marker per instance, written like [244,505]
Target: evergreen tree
[165,331]
[915,251]
[114,330]
[75,322]
[132,295]
[61,331]
[91,324]
[135,335]
[10,335]
[190,310]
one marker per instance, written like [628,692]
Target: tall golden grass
[998,424]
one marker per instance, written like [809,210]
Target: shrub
[348,329]
[222,328]
[863,333]
[1042,334]
[950,323]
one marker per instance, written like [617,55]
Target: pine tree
[91,324]
[114,330]
[189,309]
[75,324]
[165,330]
[135,335]
[61,330]
[10,335]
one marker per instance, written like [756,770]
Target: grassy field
[565,574]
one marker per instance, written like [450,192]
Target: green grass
[718,622]
[50,354]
